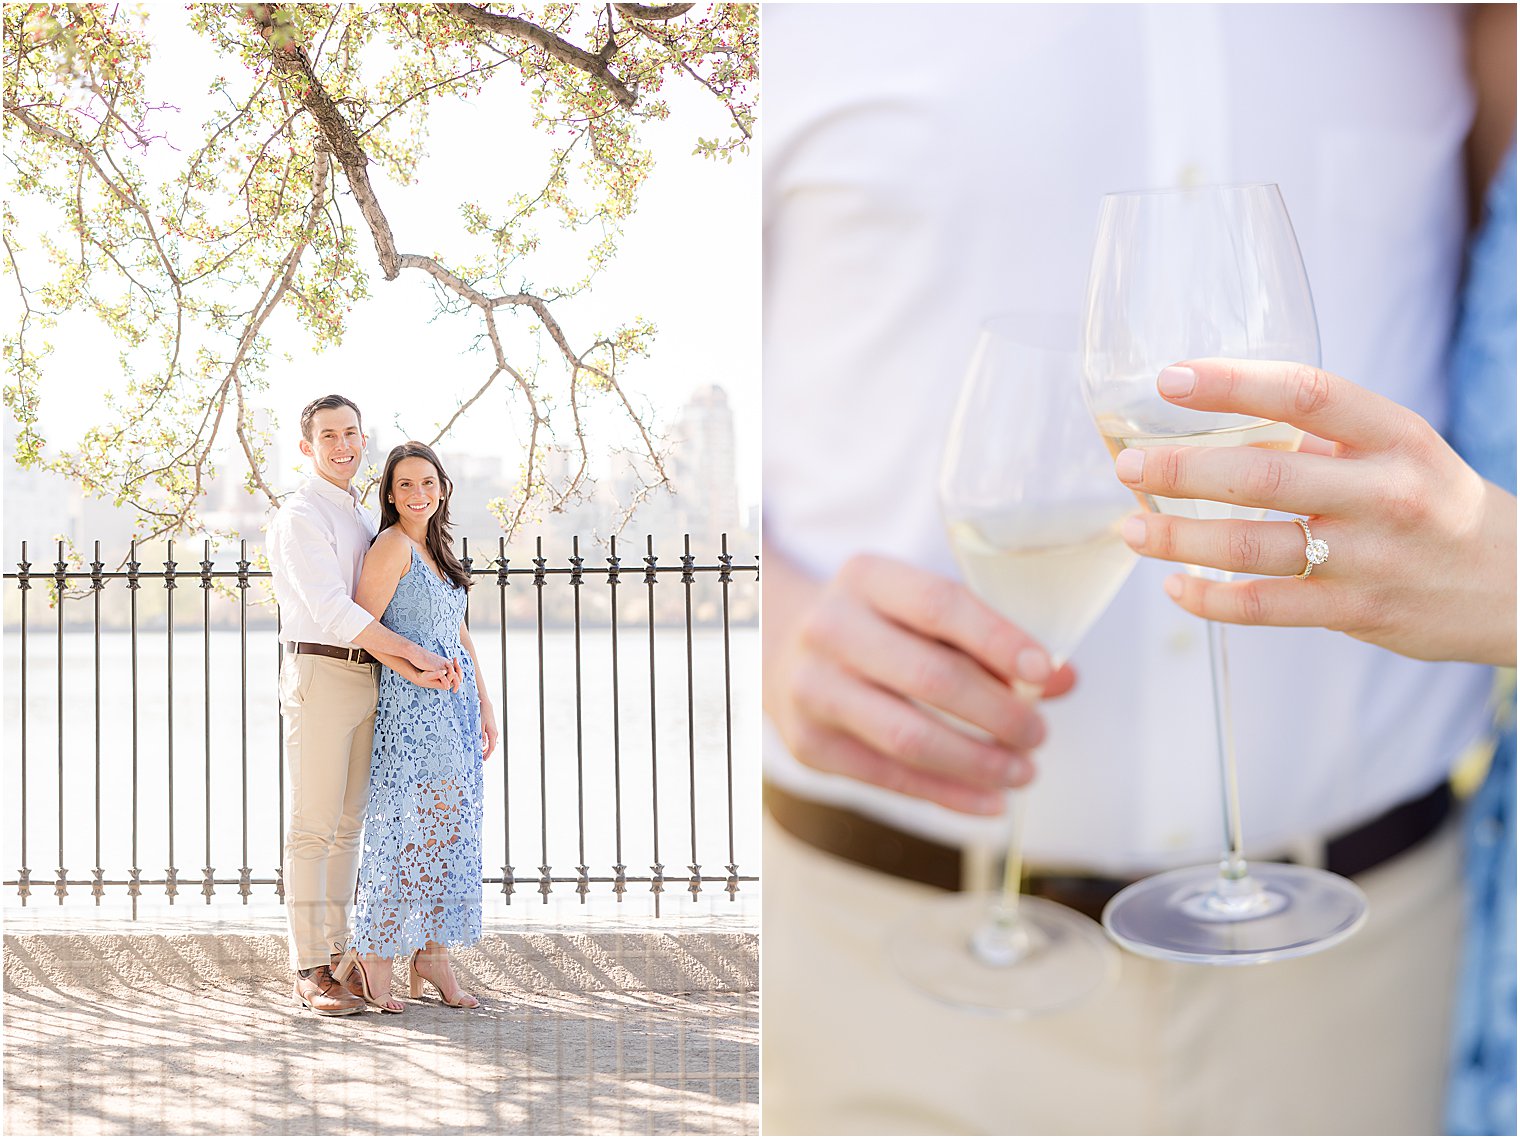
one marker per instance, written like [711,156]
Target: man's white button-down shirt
[908,193]
[316,544]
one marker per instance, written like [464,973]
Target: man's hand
[390,647]
[429,663]
[437,678]
[862,672]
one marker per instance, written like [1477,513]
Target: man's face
[336,444]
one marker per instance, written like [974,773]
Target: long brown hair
[439,542]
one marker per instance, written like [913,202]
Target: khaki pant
[329,709]
[1349,1041]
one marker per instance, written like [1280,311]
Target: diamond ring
[1316,550]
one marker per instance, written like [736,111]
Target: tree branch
[37,127]
[560,49]
[648,33]
[540,308]
[313,215]
[655,12]
[236,228]
[429,88]
[467,404]
[25,401]
[293,62]
[274,292]
[199,156]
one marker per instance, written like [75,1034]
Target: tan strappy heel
[414,979]
[346,965]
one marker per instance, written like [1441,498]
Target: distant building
[702,463]
[477,480]
[38,505]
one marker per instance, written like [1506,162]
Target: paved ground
[184,1032]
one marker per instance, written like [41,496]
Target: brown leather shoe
[316,989]
[351,982]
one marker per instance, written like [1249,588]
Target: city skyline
[703,499]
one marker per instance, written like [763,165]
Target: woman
[419,879]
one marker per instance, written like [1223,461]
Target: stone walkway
[174,1032]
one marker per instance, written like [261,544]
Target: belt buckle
[353,655]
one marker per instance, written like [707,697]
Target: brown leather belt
[852,836]
[353,656]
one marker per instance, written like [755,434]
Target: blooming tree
[272,209]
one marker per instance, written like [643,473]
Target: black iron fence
[619,697]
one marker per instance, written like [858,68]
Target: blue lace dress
[1481,1094]
[420,874]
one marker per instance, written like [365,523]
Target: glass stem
[1007,911]
[1001,940]
[1233,868]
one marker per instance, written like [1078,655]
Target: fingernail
[1128,465]
[1133,530]
[1174,382]
[1020,772]
[1173,586]
[1032,665]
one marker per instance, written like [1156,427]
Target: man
[316,544]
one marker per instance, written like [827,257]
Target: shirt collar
[345,498]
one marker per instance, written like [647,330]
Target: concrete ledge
[126,964]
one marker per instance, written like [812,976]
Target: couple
[397,750]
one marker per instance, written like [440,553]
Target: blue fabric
[1481,1094]
[420,873]
[1483,351]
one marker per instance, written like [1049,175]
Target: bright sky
[689,261]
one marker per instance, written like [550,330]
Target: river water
[552,788]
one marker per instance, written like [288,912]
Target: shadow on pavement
[193,1034]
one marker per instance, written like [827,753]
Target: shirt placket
[1187,96]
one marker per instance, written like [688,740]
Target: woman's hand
[855,671]
[1422,549]
[489,733]
[488,730]
[440,678]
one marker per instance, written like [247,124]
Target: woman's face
[416,489]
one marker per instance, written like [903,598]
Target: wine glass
[1178,274]
[1033,513]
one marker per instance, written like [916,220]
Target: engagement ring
[1316,550]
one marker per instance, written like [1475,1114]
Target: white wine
[1258,433]
[1050,571]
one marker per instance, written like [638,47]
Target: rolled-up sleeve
[303,555]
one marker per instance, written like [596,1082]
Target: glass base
[1196,916]
[953,951]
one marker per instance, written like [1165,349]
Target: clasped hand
[448,678]
[1422,549]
